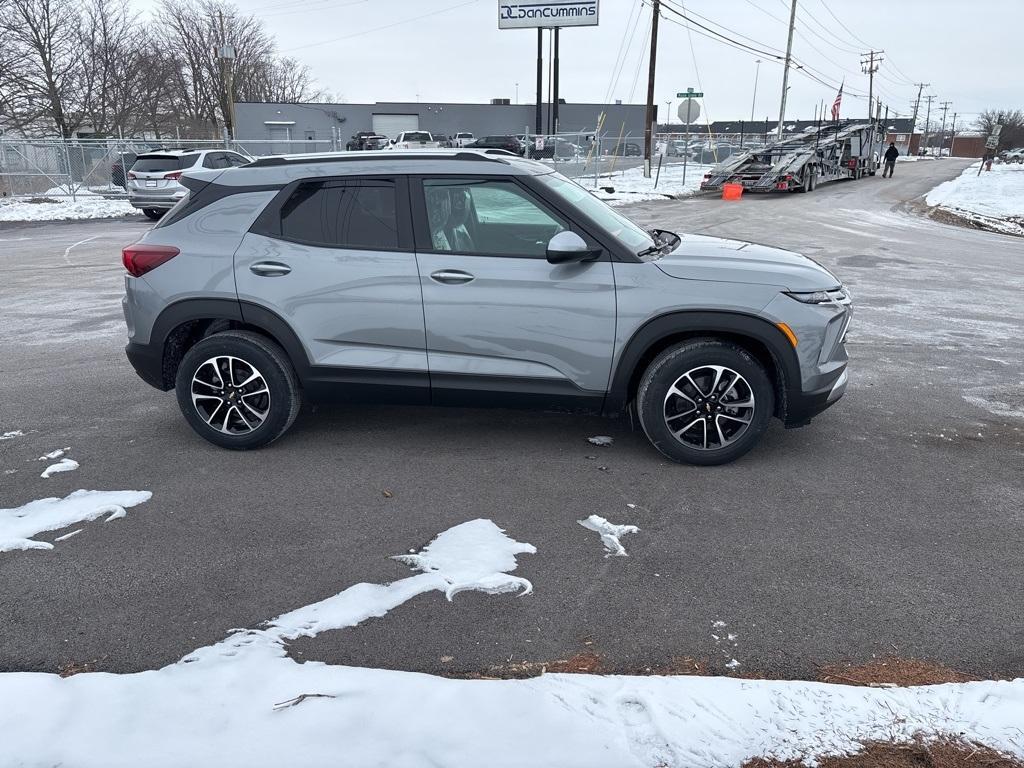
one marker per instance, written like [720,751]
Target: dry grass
[939,753]
[892,670]
[75,668]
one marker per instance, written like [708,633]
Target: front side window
[487,217]
[618,226]
[340,214]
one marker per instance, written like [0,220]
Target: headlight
[835,296]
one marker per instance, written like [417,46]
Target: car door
[334,259]
[503,324]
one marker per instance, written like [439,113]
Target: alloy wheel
[230,395]
[709,407]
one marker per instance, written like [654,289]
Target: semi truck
[827,152]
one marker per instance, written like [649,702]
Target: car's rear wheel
[153,213]
[705,402]
[238,390]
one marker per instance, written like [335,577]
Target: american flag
[838,101]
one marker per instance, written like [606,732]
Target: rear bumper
[148,363]
[801,407]
[163,203]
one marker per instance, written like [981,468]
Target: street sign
[689,111]
[992,142]
[690,94]
[554,13]
[997,129]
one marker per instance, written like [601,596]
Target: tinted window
[235,160]
[163,163]
[487,217]
[416,136]
[341,214]
[214,160]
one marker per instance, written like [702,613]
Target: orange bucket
[732,191]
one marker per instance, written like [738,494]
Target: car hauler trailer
[831,151]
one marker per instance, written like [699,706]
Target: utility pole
[927,121]
[942,133]
[917,104]
[753,102]
[649,123]
[226,54]
[540,80]
[869,65]
[952,135]
[785,70]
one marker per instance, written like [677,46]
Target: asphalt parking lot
[894,524]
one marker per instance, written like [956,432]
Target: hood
[733,261]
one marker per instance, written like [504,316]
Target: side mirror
[568,248]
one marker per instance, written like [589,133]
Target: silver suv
[154,181]
[470,278]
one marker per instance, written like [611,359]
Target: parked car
[627,149]
[359,141]
[463,138]
[1014,156]
[154,181]
[414,140]
[555,148]
[508,143]
[526,290]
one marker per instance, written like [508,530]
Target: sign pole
[689,111]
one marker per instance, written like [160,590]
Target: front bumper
[801,406]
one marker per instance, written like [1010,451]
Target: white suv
[464,139]
[153,181]
[415,140]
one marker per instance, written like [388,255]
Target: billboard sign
[553,13]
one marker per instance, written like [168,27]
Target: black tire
[257,354]
[153,213]
[652,401]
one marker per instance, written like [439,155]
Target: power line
[624,46]
[385,26]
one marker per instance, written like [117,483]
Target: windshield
[617,225]
[163,163]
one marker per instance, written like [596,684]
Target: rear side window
[342,214]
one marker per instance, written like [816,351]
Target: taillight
[132,175]
[141,258]
[175,175]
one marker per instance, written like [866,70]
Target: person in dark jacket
[890,160]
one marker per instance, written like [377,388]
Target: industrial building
[336,122]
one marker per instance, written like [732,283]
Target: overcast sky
[452,50]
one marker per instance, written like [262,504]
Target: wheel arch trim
[662,330]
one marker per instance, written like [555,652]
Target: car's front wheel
[153,213]
[705,401]
[238,390]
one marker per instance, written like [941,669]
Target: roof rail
[348,157]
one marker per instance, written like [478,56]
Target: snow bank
[994,198]
[87,206]
[20,524]
[243,702]
[631,187]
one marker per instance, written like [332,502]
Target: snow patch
[69,535]
[85,207]
[64,465]
[250,704]
[630,186]
[610,534]
[603,440]
[20,524]
[12,435]
[53,454]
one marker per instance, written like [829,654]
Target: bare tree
[1012,120]
[39,88]
[114,60]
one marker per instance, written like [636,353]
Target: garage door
[392,125]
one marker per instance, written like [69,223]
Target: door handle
[451,276]
[269,268]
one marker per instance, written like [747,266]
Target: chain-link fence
[70,167]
